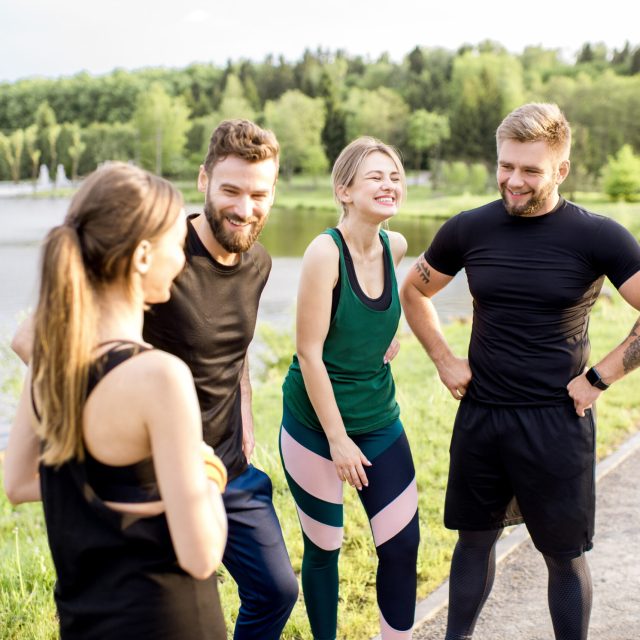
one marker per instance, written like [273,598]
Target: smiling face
[376,189]
[528,176]
[238,198]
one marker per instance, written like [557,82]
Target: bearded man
[525,428]
[209,323]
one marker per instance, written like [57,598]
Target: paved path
[517,605]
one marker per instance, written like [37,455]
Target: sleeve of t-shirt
[617,252]
[264,263]
[444,254]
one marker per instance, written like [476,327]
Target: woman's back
[118,575]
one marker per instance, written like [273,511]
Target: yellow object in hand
[214,467]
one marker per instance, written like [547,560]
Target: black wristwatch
[596,379]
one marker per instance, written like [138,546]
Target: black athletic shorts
[544,457]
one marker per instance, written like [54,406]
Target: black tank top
[117,574]
[381,303]
[126,483]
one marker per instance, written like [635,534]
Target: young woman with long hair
[107,432]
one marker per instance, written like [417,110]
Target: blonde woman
[107,432]
[341,420]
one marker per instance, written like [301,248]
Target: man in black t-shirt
[523,443]
[209,323]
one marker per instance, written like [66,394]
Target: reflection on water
[289,232]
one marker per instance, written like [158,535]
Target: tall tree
[234,103]
[12,147]
[162,123]
[426,131]
[33,152]
[297,121]
[381,113]
[273,79]
[71,147]
[334,132]
[47,127]
[484,88]
[53,133]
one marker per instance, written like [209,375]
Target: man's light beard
[533,206]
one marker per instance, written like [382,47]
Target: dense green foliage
[434,104]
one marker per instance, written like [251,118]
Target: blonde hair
[534,122]
[116,207]
[351,158]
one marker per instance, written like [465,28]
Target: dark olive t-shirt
[533,281]
[209,323]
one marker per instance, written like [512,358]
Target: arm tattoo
[423,271]
[631,356]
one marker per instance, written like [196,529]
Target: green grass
[26,577]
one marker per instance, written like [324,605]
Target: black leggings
[473,568]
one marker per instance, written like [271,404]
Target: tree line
[439,107]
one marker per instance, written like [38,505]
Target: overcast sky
[62,37]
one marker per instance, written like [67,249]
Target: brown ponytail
[116,207]
[65,329]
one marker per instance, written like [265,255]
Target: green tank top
[353,352]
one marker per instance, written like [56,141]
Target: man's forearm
[422,317]
[623,359]
[631,354]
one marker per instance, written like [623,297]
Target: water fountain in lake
[44,181]
[61,177]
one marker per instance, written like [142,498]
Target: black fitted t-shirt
[209,323]
[533,281]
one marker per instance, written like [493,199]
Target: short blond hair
[534,122]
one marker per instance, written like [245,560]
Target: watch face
[594,378]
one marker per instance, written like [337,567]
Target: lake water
[25,221]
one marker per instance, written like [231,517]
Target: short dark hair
[244,139]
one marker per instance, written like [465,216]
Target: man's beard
[233,242]
[533,206]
